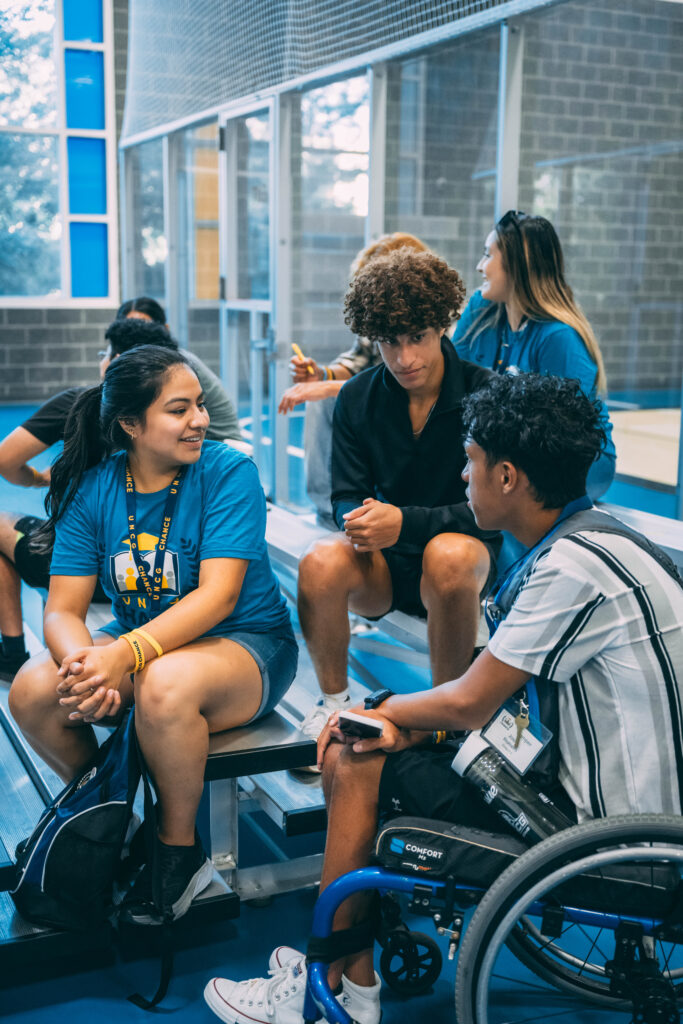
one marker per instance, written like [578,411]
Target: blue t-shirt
[220,513]
[540,346]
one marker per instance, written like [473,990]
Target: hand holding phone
[359,727]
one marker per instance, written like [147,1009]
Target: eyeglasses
[511,217]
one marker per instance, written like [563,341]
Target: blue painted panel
[87,176]
[89,261]
[84,71]
[83,20]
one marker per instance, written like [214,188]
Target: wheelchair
[586,925]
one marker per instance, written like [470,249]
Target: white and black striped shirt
[600,617]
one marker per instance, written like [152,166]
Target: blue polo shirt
[220,513]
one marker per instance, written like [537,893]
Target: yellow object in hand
[297,352]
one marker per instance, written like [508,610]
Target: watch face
[377,698]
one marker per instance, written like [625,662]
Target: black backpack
[67,868]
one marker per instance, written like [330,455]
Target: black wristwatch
[378,697]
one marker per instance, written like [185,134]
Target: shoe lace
[269,991]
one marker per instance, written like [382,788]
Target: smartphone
[358,726]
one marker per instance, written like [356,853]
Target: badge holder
[517,736]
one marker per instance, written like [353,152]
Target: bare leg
[33,699]
[333,577]
[351,783]
[205,687]
[454,571]
[11,623]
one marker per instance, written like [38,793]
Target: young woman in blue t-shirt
[174,528]
[524,318]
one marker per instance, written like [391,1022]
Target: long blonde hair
[385,244]
[533,260]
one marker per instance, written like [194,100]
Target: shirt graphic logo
[124,572]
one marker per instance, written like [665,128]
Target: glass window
[330,200]
[602,158]
[84,72]
[30,222]
[198,263]
[253,155]
[28,80]
[89,260]
[83,20]
[148,237]
[441,148]
[87,175]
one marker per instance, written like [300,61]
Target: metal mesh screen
[189,56]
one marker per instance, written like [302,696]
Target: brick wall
[601,156]
[43,351]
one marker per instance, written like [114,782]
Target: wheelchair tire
[410,962]
[503,916]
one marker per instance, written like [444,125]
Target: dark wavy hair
[403,293]
[142,304]
[93,431]
[124,335]
[545,426]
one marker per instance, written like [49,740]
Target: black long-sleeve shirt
[374,453]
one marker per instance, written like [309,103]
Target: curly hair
[545,426]
[402,293]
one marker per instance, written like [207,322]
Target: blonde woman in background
[319,385]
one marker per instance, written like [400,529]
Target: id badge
[520,745]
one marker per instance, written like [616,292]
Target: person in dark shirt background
[410,541]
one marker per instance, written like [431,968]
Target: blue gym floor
[237,949]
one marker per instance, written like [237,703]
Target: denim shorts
[276,655]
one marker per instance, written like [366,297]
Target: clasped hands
[90,678]
[373,525]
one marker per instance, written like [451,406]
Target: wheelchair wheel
[410,962]
[566,910]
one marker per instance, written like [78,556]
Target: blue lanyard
[153,588]
[577,505]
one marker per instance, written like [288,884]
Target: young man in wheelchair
[598,619]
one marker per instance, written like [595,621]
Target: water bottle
[524,808]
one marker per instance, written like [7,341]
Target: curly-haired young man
[410,542]
[598,619]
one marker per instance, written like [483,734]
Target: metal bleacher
[250,771]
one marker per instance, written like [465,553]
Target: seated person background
[597,617]
[320,388]
[45,428]
[224,425]
[410,541]
[216,648]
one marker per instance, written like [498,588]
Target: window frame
[62,134]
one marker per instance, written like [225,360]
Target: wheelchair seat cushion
[439,848]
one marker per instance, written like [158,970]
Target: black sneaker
[10,665]
[183,872]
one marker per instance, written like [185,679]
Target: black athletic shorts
[405,570]
[420,783]
[34,568]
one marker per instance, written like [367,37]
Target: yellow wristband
[154,644]
[136,648]
[37,476]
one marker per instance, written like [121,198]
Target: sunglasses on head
[511,217]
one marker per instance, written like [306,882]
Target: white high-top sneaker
[278,999]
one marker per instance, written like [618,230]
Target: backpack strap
[591,519]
